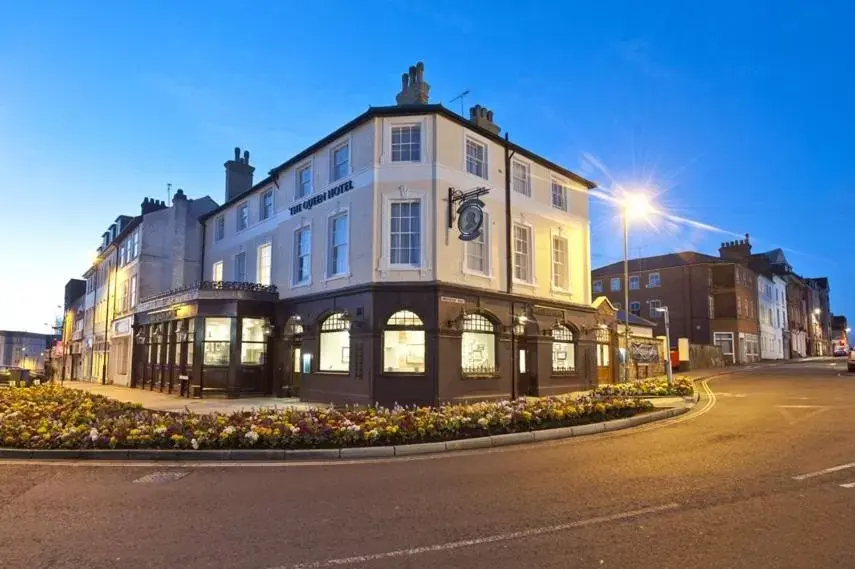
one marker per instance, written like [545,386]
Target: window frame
[484,241]
[323,328]
[235,264]
[635,311]
[652,305]
[565,286]
[564,204]
[219,228]
[421,237]
[571,368]
[305,166]
[531,264]
[650,283]
[415,324]
[597,286]
[488,370]
[345,213]
[206,342]
[244,342]
[402,125]
[612,281]
[217,267]
[527,167]
[295,280]
[238,217]
[262,206]
[333,166]
[486,163]
[637,280]
[268,246]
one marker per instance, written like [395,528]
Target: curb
[287,455]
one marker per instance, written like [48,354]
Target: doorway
[296,375]
[604,360]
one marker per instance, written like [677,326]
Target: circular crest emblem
[470,218]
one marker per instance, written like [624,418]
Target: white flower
[252,437]
[93,434]
[483,421]
[194,443]
[229,430]
[295,430]
[161,430]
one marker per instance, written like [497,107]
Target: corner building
[377,299]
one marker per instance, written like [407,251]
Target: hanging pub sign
[470,212]
[644,353]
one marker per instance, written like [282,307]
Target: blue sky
[740,114]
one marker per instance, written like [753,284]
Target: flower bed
[655,387]
[60,418]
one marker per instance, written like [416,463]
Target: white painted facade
[387,201]
[772,302]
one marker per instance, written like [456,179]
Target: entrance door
[524,383]
[604,359]
[296,371]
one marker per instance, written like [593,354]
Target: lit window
[263,265]
[476,158]
[406,143]
[477,251]
[521,181]
[337,254]
[405,233]
[304,182]
[404,343]
[614,284]
[563,349]
[217,272]
[478,345]
[240,267]
[253,345]
[634,282]
[218,336]
[302,255]
[560,269]
[522,253]
[267,204]
[242,216]
[133,301]
[341,162]
[598,286]
[335,343]
[559,196]
[220,228]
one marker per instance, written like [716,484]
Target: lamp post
[668,372]
[635,206]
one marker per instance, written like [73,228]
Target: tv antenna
[460,98]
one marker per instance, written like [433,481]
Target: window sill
[303,284]
[565,373]
[479,376]
[559,290]
[471,273]
[404,373]
[529,284]
[333,372]
[559,208]
[337,277]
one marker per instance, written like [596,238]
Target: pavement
[760,474]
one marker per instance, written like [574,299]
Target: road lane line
[825,471]
[848,485]
[450,546]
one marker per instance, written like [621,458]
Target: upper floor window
[133,293]
[407,143]
[653,280]
[267,204]
[521,180]
[337,253]
[304,182]
[655,305]
[614,284]
[560,265]
[242,216]
[263,264]
[302,255]
[634,282]
[522,253]
[405,233]
[240,267]
[477,251]
[217,271]
[340,162]
[598,286]
[635,308]
[476,158]
[219,228]
[559,196]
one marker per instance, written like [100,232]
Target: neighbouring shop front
[208,339]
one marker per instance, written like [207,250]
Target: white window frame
[565,196]
[650,283]
[488,265]
[411,124]
[297,185]
[480,142]
[612,281]
[527,166]
[240,206]
[637,280]
[344,212]
[235,267]
[219,222]
[272,205]
[566,286]
[295,282]
[133,291]
[217,267]
[421,250]
[258,265]
[597,286]
[333,150]
[652,305]
[531,248]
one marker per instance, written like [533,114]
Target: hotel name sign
[311,202]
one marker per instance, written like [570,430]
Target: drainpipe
[509,265]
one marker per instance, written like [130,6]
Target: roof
[635,320]
[400,111]
[669,260]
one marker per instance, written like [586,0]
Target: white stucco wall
[771,331]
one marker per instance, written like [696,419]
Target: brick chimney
[238,175]
[483,117]
[151,205]
[736,250]
[414,89]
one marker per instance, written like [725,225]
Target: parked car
[850,365]
[840,350]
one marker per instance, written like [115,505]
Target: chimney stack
[483,117]
[238,175]
[414,89]
[736,250]
[151,205]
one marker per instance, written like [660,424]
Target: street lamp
[664,310]
[634,206]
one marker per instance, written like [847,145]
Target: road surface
[761,474]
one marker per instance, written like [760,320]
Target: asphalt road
[721,487]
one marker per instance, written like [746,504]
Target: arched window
[335,343]
[404,343]
[478,346]
[563,349]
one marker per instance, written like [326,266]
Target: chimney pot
[414,89]
[238,175]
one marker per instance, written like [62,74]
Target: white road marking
[479,540]
[848,485]
[824,471]
[792,419]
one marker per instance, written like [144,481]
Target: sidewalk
[163,402]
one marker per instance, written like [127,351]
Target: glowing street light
[635,206]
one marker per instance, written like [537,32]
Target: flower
[93,434]
[194,443]
[252,437]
